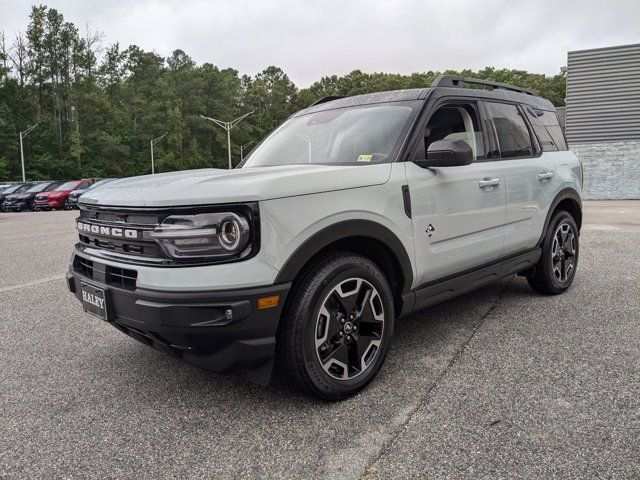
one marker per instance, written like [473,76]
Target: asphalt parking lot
[499,383]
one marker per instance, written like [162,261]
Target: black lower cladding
[222,331]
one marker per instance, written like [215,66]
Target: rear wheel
[337,328]
[557,266]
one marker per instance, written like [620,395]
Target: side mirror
[447,153]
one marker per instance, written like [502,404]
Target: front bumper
[222,331]
[15,205]
[48,204]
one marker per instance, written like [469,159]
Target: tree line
[98,106]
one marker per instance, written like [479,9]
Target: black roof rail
[455,81]
[326,99]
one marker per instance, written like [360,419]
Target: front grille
[42,198]
[83,266]
[121,277]
[120,218]
[135,247]
[123,246]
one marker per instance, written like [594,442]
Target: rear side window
[514,139]
[547,129]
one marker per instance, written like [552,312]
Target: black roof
[500,92]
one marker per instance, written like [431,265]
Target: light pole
[23,135]
[228,126]
[242,149]
[153,142]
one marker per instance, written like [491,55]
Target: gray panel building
[603,119]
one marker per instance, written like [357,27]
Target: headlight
[203,236]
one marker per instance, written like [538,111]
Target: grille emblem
[117,232]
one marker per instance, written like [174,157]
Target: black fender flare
[343,230]
[567,193]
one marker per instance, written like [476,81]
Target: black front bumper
[222,331]
[16,205]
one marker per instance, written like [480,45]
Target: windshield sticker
[365,158]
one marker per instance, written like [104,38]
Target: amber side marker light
[268,302]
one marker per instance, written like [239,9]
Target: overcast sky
[309,39]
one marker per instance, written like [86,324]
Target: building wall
[611,169]
[603,94]
[603,119]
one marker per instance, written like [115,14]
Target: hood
[16,196]
[212,186]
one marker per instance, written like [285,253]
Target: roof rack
[326,99]
[455,81]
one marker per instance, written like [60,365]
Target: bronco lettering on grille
[108,231]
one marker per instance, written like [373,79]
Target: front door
[458,212]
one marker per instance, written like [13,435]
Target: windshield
[68,186]
[343,136]
[101,182]
[16,189]
[40,187]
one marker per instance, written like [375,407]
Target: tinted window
[513,135]
[547,129]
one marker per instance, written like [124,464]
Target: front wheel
[337,328]
[557,266]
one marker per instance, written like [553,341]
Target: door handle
[488,182]
[545,176]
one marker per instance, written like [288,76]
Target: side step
[439,291]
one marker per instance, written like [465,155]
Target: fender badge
[430,230]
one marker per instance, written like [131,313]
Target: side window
[547,128]
[83,186]
[514,139]
[454,122]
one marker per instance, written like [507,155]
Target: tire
[321,348]
[65,204]
[556,269]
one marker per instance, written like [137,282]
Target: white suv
[354,212]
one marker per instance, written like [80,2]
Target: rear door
[529,173]
[457,212]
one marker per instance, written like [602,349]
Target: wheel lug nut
[341,334]
[348,337]
[350,317]
[342,320]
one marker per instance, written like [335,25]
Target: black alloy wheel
[349,328]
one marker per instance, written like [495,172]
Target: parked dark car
[17,188]
[75,195]
[24,200]
[58,198]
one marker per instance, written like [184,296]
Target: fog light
[268,302]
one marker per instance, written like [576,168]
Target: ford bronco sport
[354,212]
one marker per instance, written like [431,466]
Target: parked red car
[59,198]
